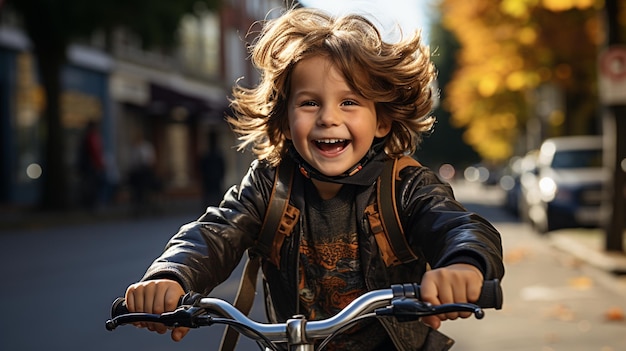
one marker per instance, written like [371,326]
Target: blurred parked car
[510,182]
[482,174]
[527,184]
[567,186]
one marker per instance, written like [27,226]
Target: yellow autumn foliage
[564,5]
[509,48]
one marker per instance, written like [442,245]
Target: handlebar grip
[119,307]
[491,295]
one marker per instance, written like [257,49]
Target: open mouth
[331,145]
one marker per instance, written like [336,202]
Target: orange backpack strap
[243,300]
[280,218]
[383,215]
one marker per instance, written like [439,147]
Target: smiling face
[332,127]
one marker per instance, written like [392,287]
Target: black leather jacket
[439,229]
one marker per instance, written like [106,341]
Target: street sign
[612,75]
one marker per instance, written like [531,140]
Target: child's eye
[349,103]
[308,103]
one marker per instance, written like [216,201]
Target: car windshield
[577,159]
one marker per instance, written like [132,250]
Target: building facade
[175,102]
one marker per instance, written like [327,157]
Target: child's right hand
[156,296]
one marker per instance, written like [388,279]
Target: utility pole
[613,72]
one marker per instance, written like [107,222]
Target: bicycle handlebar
[490,293]
[401,301]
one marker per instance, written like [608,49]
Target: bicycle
[401,301]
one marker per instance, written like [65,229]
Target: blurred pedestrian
[91,167]
[142,178]
[212,168]
[112,176]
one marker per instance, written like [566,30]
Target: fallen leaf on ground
[581,283]
[562,313]
[614,314]
[516,255]
[573,262]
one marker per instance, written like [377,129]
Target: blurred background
[114,110]
[121,104]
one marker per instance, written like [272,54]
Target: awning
[164,100]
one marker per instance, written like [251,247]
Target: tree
[445,144]
[510,48]
[52,25]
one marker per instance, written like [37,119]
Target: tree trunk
[615,228]
[48,33]
[617,223]
[54,192]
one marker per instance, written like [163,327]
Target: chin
[332,173]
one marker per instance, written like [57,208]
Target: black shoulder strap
[387,206]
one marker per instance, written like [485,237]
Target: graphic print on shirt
[330,267]
[330,276]
[330,271]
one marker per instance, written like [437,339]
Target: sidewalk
[27,218]
[588,245]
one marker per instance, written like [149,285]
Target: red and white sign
[612,75]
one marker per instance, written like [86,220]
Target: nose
[329,117]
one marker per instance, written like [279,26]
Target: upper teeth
[330,141]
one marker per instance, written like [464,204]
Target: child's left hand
[457,283]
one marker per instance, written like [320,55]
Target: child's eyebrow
[306,91]
[302,92]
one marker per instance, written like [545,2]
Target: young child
[339,101]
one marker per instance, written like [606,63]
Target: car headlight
[548,189]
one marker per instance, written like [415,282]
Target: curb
[586,245]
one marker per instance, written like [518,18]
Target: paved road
[553,301]
[57,285]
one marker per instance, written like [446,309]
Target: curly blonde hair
[397,77]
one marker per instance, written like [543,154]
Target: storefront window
[29,104]
[200,43]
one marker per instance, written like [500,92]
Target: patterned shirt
[330,268]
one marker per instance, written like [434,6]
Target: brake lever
[461,307]
[183,316]
[407,309]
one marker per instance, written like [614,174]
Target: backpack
[281,217]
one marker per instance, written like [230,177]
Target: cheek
[298,132]
[298,138]
[366,128]
[297,128]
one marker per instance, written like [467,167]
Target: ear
[287,132]
[383,126]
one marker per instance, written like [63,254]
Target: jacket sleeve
[204,253]
[443,229]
